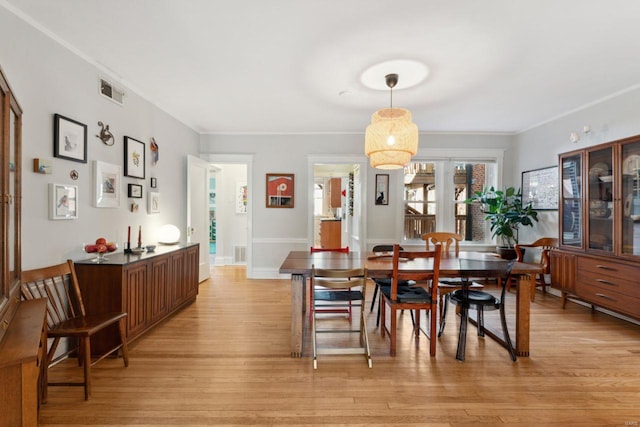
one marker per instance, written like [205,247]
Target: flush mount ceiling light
[391,138]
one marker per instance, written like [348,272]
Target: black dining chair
[481,301]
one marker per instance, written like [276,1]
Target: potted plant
[504,210]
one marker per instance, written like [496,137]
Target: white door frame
[240,159]
[363,162]
[198,202]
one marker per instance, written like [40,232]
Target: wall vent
[111,92]
[239,254]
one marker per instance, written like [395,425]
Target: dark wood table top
[380,265]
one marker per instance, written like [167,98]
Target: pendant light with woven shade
[392,138]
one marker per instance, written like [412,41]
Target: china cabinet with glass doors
[22,327]
[598,260]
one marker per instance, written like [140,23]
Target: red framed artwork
[280,190]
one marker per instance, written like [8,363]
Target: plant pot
[507,253]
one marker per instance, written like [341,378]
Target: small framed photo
[63,201]
[153,202]
[280,190]
[133,158]
[106,185]
[154,182]
[135,191]
[382,189]
[69,139]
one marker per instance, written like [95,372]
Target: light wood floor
[225,361]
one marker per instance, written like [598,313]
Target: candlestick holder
[127,250]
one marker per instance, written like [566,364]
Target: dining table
[466,264]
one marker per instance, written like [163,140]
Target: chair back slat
[446,239]
[341,250]
[430,276]
[59,286]
[340,279]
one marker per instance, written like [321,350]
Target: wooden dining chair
[340,288]
[312,293]
[544,245]
[415,298]
[450,246]
[66,318]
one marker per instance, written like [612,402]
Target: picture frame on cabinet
[280,190]
[69,139]
[63,201]
[134,158]
[134,191]
[153,202]
[106,184]
[382,189]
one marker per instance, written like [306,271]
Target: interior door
[198,211]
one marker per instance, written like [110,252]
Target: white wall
[278,231]
[611,119]
[47,78]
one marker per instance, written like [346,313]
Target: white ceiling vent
[112,92]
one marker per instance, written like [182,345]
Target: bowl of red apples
[101,247]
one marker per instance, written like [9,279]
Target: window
[434,195]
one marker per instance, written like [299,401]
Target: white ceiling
[279,66]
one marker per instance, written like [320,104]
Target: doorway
[337,217]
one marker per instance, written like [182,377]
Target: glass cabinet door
[630,194]
[571,206]
[600,199]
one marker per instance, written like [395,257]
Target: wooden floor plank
[225,361]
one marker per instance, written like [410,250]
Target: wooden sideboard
[22,352]
[149,287]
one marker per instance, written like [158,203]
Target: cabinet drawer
[607,267]
[609,276]
[610,299]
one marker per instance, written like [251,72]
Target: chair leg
[392,331]
[373,300]
[86,350]
[480,321]
[432,330]
[443,315]
[313,338]
[123,341]
[507,338]
[462,335]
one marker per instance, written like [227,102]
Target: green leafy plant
[504,210]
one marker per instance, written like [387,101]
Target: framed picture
[154,182]
[106,184]
[540,188]
[382,189]
[241,197]
[280,190]
[135,191]
[153,202]
[69,139]
[133,158]
[63,201]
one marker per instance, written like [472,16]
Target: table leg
[526,283]
[297,310]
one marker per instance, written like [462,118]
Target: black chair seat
[408,294]
[338,296]
[476,298]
